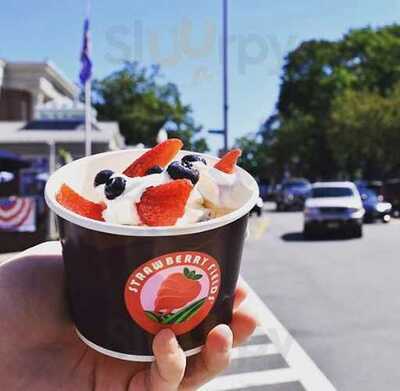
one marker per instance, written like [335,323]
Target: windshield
[290,185]
[368,194]
[324,192]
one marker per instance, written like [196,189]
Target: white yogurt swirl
[122,209]
[222,190]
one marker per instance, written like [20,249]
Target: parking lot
[338,298]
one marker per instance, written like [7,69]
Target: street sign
[216,131]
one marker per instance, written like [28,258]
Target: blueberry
[154,170]
[177,170]
[102,177]
[114,187]
[189,159]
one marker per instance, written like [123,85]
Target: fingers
[214,358]
[240,297]
[242,325]
[167,371]
[216,353]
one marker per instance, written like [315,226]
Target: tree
[136,98]
[367,125]
[319,79]
[254,157]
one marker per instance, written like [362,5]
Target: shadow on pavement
[299,237]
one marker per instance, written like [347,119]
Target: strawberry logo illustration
[177,290]
[164,293]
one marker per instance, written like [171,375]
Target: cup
[126,283]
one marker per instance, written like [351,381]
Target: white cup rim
[126,230]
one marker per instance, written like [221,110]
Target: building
[43,122]
[40,114]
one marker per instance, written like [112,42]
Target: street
[338,298]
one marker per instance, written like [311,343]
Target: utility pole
[225,79]
[225,73]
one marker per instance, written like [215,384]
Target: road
[338,298]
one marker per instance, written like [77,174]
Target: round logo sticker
[175,291]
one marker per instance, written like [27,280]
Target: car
[391,193]
[258,207]
[375,207]
[292,194]
[334,206]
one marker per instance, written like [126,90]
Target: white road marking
[252,379]
[258,331]
[257,227]
[307,372]
[248,351]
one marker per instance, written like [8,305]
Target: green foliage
[136,98]
[335,112]
[254,157]
[368,127]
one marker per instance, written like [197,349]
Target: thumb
[168,369]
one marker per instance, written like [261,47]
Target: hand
[39,350]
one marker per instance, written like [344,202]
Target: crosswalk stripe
[251,379]
[248,351]
[309,375]
[258,331]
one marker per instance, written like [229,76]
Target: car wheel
[308,232]
[386,218]
[358,231]
[279,207]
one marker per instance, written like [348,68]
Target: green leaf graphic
[152,316]
[185,313]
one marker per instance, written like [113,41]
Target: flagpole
[88,117]
[88,96]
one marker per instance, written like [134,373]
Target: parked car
[258,207]
[334,206]
[391,193]
[292,194]
[375,207]
[376,186]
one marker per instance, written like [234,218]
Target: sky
[185,38]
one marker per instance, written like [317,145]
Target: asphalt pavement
[338,298]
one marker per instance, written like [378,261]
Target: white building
[40,113]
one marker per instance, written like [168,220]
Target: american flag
[86,69]
[18,214]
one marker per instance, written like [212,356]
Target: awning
[10,161]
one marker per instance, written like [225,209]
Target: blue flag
[86,70]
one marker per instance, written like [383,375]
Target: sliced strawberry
[160,155]
[228,161]
[163,205]
[71,200]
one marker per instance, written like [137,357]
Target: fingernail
[226,332]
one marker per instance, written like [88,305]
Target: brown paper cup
[124,283]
